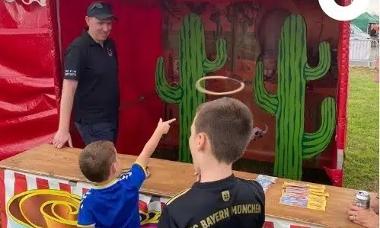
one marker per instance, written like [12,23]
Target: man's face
[99,29]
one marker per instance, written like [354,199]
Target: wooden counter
[169,178]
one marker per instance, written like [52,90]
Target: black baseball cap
[100,10]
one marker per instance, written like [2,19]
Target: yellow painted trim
[177,196]
[30,193]
[57,218]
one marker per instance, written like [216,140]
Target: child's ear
[201,141]
[113,168]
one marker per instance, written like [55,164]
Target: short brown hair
[96,159]
[228,124]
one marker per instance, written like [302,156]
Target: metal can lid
[362,195]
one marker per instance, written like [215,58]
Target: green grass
[361,164]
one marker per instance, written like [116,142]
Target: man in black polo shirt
[220,132]
[90,84]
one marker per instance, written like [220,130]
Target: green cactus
[193,66]
[293,144]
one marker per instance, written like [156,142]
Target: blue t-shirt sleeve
[85,217]
[134,177]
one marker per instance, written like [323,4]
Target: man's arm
[63,134]
[72,69]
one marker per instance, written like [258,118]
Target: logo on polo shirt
[70,73]
[109,51]
[226,195]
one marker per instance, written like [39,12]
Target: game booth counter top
[47,167]
[243,40]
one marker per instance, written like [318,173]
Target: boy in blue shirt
[113,202]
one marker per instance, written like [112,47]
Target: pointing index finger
[170,121]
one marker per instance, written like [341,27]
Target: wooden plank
[169,178]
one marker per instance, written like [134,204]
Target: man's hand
[63,134]
[60,139]
[375,202]
[364,217]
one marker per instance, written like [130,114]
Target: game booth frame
[150,36]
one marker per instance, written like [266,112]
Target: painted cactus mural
[293,144]
[193,66]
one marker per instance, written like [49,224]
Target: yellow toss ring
[205,91]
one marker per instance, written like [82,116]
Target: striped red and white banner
[272,222]
[13,183]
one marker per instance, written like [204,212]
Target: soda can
[362,199]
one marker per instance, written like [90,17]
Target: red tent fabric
[28,66]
